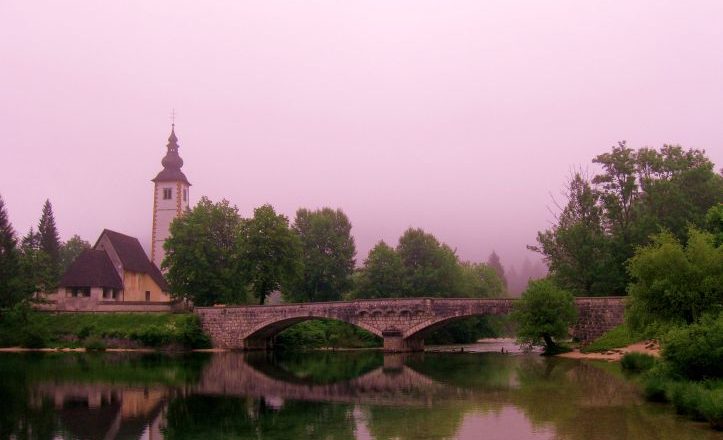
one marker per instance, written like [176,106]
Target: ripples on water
[480,393]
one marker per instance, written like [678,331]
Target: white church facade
[116,274]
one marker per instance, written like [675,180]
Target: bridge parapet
[402,322]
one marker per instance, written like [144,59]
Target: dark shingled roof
[92,268]
[172,162]
[133,257]
[171,175]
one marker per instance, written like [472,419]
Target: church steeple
[172,162]
[170,198]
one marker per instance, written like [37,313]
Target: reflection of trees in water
[195,417]
[317,367]
[321,395]
[584,401]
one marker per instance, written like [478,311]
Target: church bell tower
[170,197]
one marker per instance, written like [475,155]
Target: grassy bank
[97,331]
[620,336]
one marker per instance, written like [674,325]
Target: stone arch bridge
[402,323]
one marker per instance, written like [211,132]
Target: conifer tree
[494,262]
[10,289]
[48,232]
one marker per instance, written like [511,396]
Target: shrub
[94,344]
[84,332]
[696,351]
[191,334]
[655,383]
[151,336]
[637,362]
[687,397]
[711,407]
[33,337]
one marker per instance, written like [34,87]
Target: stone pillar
[394,342]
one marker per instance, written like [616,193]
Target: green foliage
[620,336]
[711,407]
[70,250]
[672,284]
[202,255]
[714,223]
[479,280]
[325,334]
[493,261]
[637,362]
[19,327]
[22,326]
[544,314]
[638,193]
[686,398]
[431,268]
[382,275]
[270,252]
[48,236]
[94,344]
[696,351]
[12,288]
[576,249]
[327,250]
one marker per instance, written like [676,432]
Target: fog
[459,117]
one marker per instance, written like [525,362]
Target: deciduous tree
[202,255]
[270,252]
[544,314]
[382,275]
[327,250]
[675,284]
[70,250]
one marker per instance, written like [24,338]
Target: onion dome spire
[172,162]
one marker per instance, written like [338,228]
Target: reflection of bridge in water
[231,374]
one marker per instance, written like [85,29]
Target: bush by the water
[637,362]
[325,334]
[94,343]
[22,326]
[696,351]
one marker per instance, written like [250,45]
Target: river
[446,394]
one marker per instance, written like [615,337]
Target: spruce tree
[48,232]
[9,264]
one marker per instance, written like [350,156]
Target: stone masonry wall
[404,320]
[596,316]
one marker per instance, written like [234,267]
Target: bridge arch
[272,327]
[401,322]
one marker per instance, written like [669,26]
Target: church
[116,273]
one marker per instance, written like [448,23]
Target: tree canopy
[70,250]
[202,255]
[673,283]
[638,193]
[270,252]
[11,286]
[327,253]
[544,314]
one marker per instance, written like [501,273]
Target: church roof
[133,257]
[92,268]
[172,162]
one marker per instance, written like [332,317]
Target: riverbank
[649,347]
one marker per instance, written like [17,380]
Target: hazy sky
[460,117]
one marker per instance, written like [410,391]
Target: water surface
[327,395]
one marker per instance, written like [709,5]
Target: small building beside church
[116,273]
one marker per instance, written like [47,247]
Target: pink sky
[460,117]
